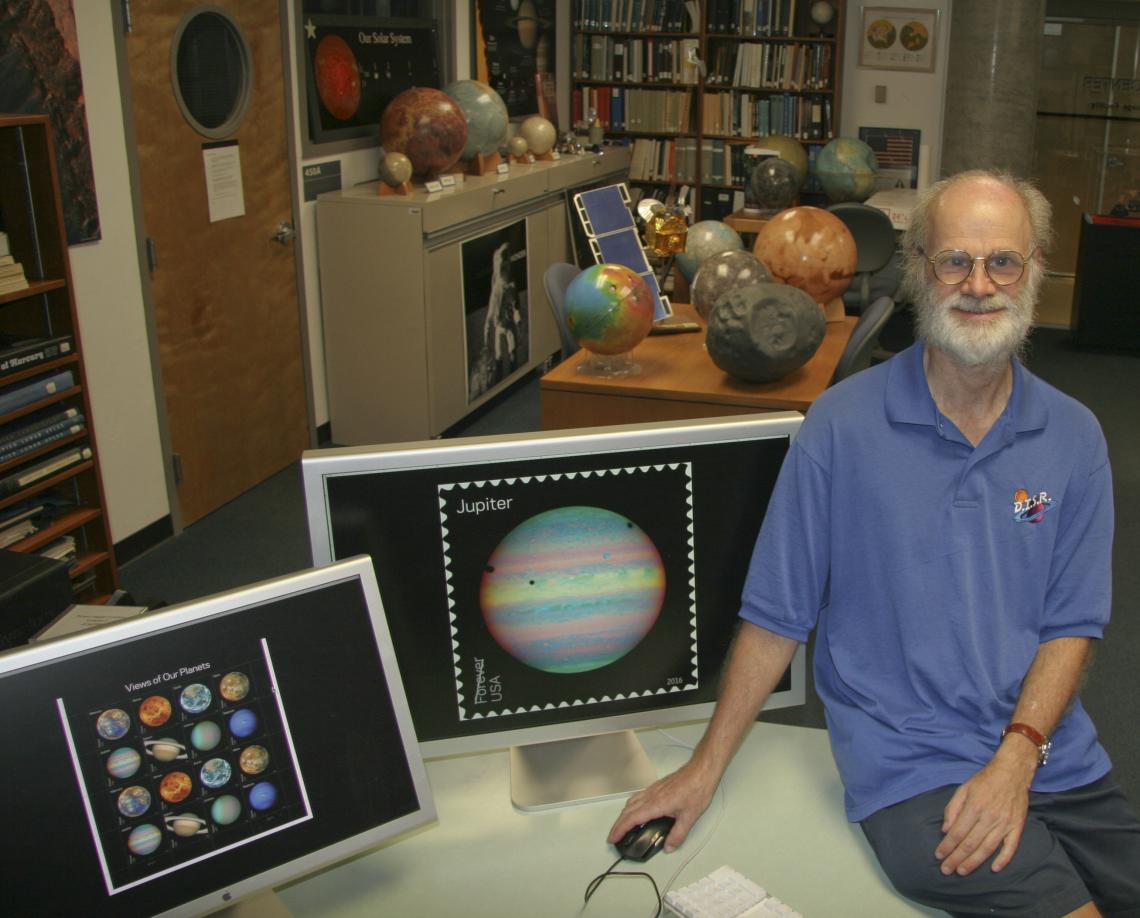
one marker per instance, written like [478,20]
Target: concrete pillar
[991,85]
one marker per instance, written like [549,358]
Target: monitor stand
[546,775]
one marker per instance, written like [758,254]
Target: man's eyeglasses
[954,266]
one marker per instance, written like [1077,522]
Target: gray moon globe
[723,272]
[774,184]
[486,115]
[705,239]
[763,332]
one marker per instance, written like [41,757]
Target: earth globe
[539,134]
[704,239]
[773,185]
[846,169]
[809,248]
[723,272]
[763,332]
[486,115]
[609,310]
[427,126]
[788,149]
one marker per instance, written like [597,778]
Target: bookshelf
[51,492]
[768,69]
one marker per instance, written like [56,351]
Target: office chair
[864,339]
[556,279]
[874,244]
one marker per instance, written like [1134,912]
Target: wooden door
[224,292]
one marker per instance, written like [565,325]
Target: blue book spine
[29,393]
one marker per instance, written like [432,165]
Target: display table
[678,380]
[778,819]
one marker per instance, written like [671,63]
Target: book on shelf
[41,437]
[17,532]
[57,462]
[31,391]
[11,275]
[20,353]
[5,249]
[62,549]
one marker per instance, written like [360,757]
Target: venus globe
[539,134]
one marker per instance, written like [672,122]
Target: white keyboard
[725,893]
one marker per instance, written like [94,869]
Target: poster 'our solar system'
[569,588]
[185,761]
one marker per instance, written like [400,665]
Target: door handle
[284,233]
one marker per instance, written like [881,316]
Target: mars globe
[609,309]
[705,239]
[539,134]
[846,169]
[486,115]
[774,184]
[427,126]
[724,272]
[763,332]
[790,151]
[809,248]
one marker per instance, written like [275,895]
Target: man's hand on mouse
[684,795]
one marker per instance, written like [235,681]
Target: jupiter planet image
[572,589]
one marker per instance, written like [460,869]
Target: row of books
[12,277]
[19,353]
[637,15]
[752,18]
[770,66]
[636,60]
[720,164]
[40,429]
[620,108]
[57,462]
[745,114]
[28,392]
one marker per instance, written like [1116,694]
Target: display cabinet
[433,302]
[51,492]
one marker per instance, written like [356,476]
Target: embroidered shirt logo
[1030,508]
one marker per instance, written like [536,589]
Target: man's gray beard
[991,344]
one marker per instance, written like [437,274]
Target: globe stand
[482,164]
[403,188]
[547,157]
[526,159]
[609,366]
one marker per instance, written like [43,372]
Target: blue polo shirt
[933,570]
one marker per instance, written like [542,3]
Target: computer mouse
[642,842]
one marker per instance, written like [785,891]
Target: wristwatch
[1043,743]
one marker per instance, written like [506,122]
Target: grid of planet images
[570,588]
[184,765]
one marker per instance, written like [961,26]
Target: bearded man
[944,521]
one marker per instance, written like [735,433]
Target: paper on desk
[81,617]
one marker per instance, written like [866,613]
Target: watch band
[1038,739]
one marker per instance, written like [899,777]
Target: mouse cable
[610,872]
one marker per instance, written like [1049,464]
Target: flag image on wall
[607,220]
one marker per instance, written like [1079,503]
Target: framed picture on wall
[894,38]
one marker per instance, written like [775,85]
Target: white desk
[782,825]
[896,203]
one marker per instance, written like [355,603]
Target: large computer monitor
[557,586]
[195,755]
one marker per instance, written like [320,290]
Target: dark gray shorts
[1078,846]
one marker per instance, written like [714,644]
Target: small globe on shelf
[395,169]
[517,147]
[705,239]
[609,311]
[773,185]
[539,134]
[846,168]
[427,126]
[809,248]
[822,13]
[723,272]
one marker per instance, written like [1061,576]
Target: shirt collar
[908,399]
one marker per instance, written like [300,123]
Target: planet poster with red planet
[355,66]
[567,588]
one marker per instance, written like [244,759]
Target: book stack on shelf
[51,494]
[11,271]
[689,103]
